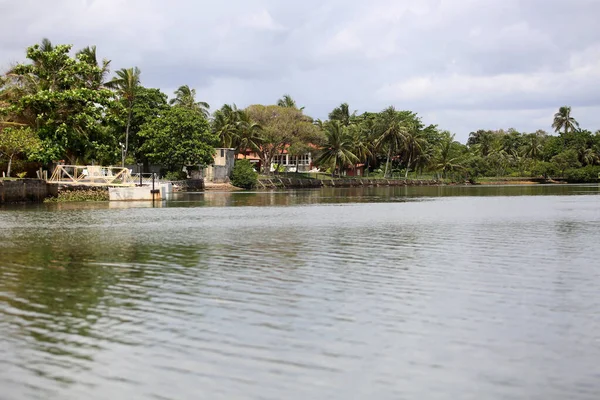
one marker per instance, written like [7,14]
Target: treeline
[61,105]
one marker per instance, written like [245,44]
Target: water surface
[384,293]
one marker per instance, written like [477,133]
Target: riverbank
[26,190]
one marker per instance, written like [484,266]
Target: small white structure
[163,192]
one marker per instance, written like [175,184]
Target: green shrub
[244,175]
[92,194]
[586,174]
[175,176]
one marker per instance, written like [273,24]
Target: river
[380,293]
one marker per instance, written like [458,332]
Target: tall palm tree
[564,120]
[414,144]
[337,150]
[126,84]
[186,97]
[393,130]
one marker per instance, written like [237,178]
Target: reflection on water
[385,296]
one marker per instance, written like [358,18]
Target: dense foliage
[244,176]
[62,106]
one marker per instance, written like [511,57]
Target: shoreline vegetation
[61,105]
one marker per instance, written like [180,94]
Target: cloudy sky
[461,64]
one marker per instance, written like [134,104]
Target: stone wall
[280,183]
[26,190]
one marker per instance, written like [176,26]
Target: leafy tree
[244,175]
[61,98]
[16,141]
[179,137]
[337,150]
[149,104]
[281,127]
[564,121]
[186,97]
[126,84]
[565,160]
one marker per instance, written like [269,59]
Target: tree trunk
[387,162]
[407,166]
[9,165]
[127,135]
[333,169]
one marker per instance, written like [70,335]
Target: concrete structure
[21,190]
[222,166]
[137,193]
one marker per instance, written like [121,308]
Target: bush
[586,174]
[244,175]
[91,194]
[175,176]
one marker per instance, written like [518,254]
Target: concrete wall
[279,182]
[21,190]
[140,193]
[222,167]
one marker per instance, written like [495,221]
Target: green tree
[288,102]
[448,156]
[60,98]
[126,84]
[281,127]
[564,121]
[337,150]
[186,97]
[342,114]
[16,141]
[179,137]
[565,160]
[244,175]
[393,127]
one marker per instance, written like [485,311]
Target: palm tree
[533,146]
[414,144]
[235,128]
[563,120]
[337,150]
[445,160]
[288,102]
[342,114]
[393,131]
[186,97]
[126,83]
[96,80]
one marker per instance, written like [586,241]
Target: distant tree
[342,114]
[565,160]
[126,84]
[564,121]
[288,102]
[179,137]
[15,141]
[337,150]
[393,129]
[281,127]
[186,97]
